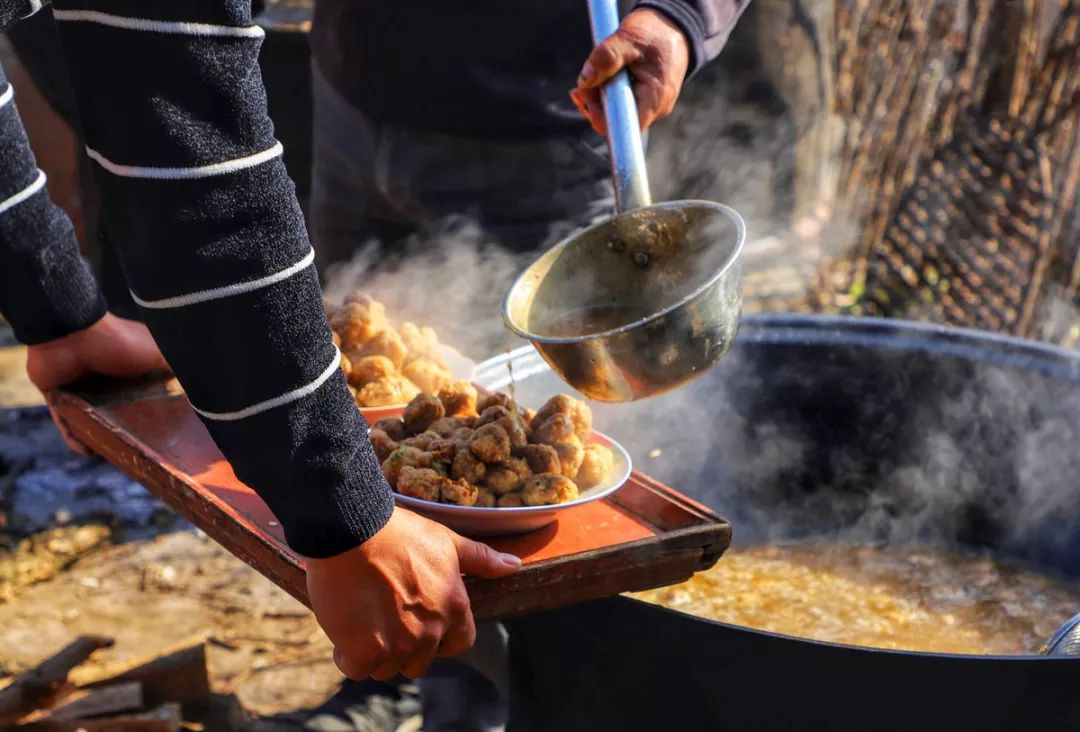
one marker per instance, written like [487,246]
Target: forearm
[213,243]
[706,24]
[46,289]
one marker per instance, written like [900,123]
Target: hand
[657,55]
[397,601]
[111,347]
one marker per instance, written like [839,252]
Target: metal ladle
[645,301]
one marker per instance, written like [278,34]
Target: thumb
[480,560]
[607,59]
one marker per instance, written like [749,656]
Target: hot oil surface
[904,598]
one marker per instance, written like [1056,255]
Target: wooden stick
[39,686]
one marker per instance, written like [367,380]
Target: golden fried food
[382,393]
[459,399]
[511,500]
[596,465]
[423,411]
[442,449]
[485,498]
[467,466]
[459,492]
[421,341]
[357,324]
[404,457]
[547,489]
[393,427]
[386,343]
[577,410]
[555,429]
[461,437]
[422,483]
[370,368]
[421,441]
[541,458]
[502,479]
[384,445]
[446,426]
[428,376]
[515,430]
[571,454]
[490,443]
[346,366]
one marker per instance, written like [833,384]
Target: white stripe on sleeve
[158,26]
[286,398]
[201,171]
[218,293]
[25,193]
[7,96]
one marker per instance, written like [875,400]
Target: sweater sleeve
[46,289]
[706,23]
[212,241]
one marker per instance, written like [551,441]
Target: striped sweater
[205,220]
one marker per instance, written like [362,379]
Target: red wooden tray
[645,535]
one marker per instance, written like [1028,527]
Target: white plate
[461,368]
[477,521]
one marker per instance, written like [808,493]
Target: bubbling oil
[901,598]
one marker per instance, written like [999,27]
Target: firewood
[166,718]
[40,686]
[175,674]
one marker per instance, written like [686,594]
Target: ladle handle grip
[624,130]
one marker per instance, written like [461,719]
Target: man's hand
[656,53]
[112,347]
[397,601]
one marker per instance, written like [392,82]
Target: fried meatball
[541,458]
[459,399]
[442,449]
[515,430]
[485,498]
[392,426]
[577,410]
[384,445]
[462,436]
[403,457]
[371,368]
[492,414]
[502,479]
[422,483]
[446,426]
[426,374]
[386,343]
[571,453]
[421,441]
[459,492]
[494,399]
[490,443]
[548,489]
[557,428]
[511,500]
[467,466]
[423,411]
[597,464]
[357,324]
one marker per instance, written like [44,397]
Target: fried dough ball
[461,437]
[403,457]
[446,426]
[578,412]
[485,498]
[386,343]
[357,323]
[382,393]
[506,477]
[459,399]
[494,399]
[458,491]
[442,449]
[492,414]
[422,483]
[555,429]
[511,500]
[421,441]
[571,454]
[423,411]
[597,464]
[490,443]
[541,458]
[548,489]
[467,466]
[421,341]
[515,430]
[426,374]
[370,368]
[392,426]
[384,445]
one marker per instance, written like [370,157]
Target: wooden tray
[645,535]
